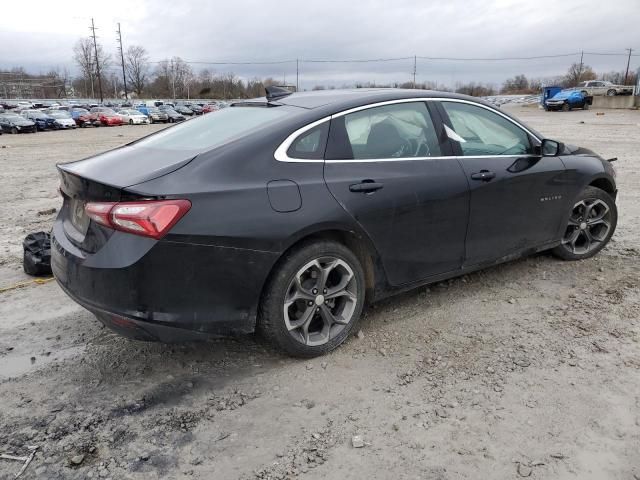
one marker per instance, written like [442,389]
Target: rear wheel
[14,130]
[130,122]
[611,93]
[593,220]
[313,299]
[585,105]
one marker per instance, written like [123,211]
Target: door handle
[367,186]
[484,175]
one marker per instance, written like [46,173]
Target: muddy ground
[530,369]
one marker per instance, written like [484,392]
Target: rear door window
[402,130]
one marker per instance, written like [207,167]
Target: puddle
[12,366]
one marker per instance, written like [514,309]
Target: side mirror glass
[550,148]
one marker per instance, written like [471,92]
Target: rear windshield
[214,129]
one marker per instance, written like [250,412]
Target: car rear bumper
[163,290]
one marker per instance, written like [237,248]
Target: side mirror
[550,148]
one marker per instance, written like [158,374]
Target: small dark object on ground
[37,254]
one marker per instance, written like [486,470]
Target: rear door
[388,167]
[516,195]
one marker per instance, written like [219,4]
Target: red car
[109,119]
[86,119]
[210,108]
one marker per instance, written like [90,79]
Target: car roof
[341,99]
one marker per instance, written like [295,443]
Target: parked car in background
[153,113]
[184,110]
[23,104]
[287,220]
[14,123]
[567,100]
[172,115]
[195,108]
[210,107]
[601,87]
[102,110]
[62,119]
[84,117]
[133,117]
[109,118]
[41,119]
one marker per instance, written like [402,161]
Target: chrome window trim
[281,152]
[443,157]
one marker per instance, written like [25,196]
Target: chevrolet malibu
[288,214]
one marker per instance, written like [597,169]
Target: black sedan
[184,110]
[171,114]
[14,123]
[287,214]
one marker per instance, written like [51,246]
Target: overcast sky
[39,35]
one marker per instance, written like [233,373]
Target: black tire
[271,313]
[130,122]
[611,93]
[585,93]
[171,120]
[150,121]
[585,105]
[14,130]
[589,194]
[566,107]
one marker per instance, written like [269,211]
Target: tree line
[175,78]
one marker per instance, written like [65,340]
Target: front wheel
[592,221]
[566,107]
[313,299]
[611,93]
[14,130]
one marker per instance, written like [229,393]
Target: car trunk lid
[104,178]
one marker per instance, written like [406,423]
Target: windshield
[11,117]
[561,95]
[210,131]
[62,114]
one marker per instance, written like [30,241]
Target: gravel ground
[529,369]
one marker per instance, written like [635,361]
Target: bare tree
[85,58]
[578,72]
[137,67]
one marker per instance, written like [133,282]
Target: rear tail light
[149,218]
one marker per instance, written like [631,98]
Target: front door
[387,167]
[516,194]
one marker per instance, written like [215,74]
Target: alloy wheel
[320,300]
[589,225]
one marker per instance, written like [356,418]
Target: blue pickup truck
[566,100]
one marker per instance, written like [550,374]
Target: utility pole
[124,77]
[297,77]
[95,49]
[626,74]
[173,79]
[415,66]
[581,65]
